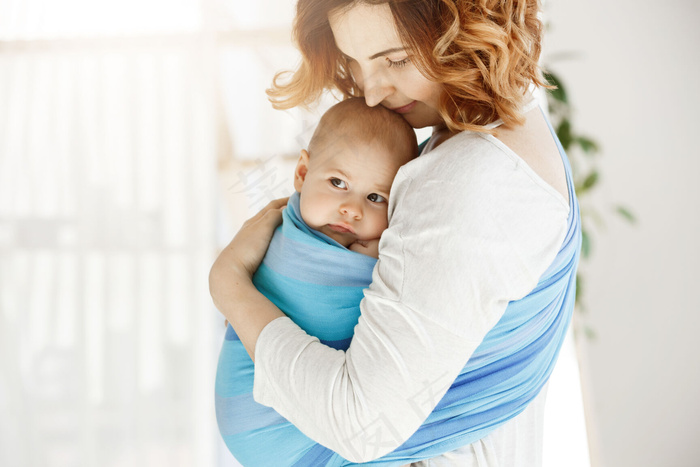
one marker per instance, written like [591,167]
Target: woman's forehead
[364,31]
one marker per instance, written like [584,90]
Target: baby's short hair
[355,120]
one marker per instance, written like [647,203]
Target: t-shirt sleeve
[465,237]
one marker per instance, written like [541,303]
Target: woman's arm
[466,236]
[230,283]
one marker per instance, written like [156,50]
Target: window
[117,119]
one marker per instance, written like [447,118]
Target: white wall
[635,88]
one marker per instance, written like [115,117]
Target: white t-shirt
[471,228]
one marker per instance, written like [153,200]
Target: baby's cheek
[380,225]
[310,213]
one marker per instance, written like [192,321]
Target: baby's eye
[338,183]
[375,198]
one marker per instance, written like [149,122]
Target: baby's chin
[345,239]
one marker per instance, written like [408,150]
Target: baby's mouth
[341,228]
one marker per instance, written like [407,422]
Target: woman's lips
[341,228]
[406,108]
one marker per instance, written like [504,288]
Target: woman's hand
[247,249]
[230,279]
[240,259]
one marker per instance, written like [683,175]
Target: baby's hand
[366,247]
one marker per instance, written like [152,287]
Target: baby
[312,270]
[344,187]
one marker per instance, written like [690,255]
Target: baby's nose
[352,209]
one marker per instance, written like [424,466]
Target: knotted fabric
[318,284]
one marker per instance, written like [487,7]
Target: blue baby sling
[319,284]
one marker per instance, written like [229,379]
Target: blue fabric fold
[318,284]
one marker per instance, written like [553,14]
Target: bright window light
[51,19]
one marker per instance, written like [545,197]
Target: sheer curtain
[109,137]
[135,138]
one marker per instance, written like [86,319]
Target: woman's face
[382,66]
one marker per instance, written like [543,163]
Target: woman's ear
[301,170]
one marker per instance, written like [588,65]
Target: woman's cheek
[356,73]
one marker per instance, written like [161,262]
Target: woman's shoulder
[471,180]
[476,164]
[466,154]
[469,206]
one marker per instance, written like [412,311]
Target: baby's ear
[301,170]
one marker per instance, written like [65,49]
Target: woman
[475,279]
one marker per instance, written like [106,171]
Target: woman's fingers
[247,249]
[275,204]
[271,218]
[278,203]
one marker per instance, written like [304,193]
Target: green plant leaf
[564,133]
[558,94]
[590,333]
[627,214]
[585,243]
[585,175]
[591,214]
[590,181]
[588,146]
[579,288]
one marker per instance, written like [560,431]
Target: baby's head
[345,176]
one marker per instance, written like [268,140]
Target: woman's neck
[440,134]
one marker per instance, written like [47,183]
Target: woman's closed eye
[398,63]
[338,183]
[375,198]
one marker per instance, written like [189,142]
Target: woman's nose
[374,85]
[376,90]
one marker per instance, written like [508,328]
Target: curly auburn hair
[484,53]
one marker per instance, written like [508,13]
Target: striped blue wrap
[319,285]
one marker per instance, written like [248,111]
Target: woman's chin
[423,121]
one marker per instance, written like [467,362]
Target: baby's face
[345,191]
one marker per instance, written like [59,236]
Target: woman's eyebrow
[387,51]
[378,54]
